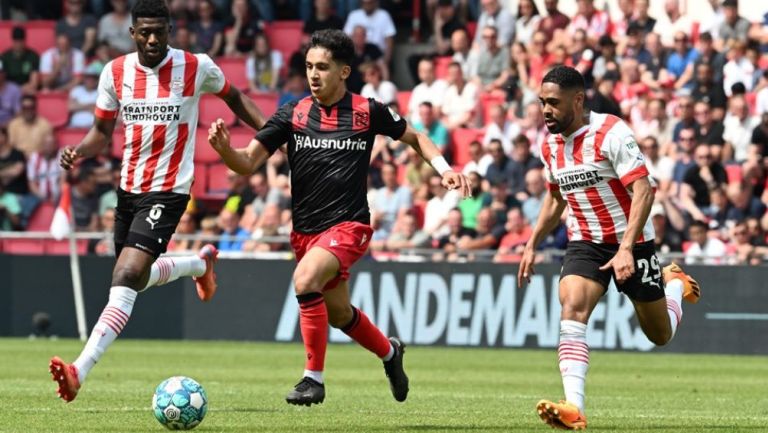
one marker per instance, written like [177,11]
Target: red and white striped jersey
[159,108]
[592,168]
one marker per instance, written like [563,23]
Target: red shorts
[348,241]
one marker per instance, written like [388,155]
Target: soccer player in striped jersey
[156,90]
[594,167]
[329,137]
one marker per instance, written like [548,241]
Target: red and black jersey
[329,151]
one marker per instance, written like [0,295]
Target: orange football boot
[562,415]
[691,289]
[206,283]
[66,376]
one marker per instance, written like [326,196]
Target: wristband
[440,164]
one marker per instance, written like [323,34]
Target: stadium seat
[234,70]
[460,139]
[218,184]
[212,108]
[285,36]
[41,34]
[487,101]
[31,247]
[267,102]
[200,184]
[403,97]
[61,248]
[204,153]
[53,106]
[41,218]
[734,173]
[70,136]
[441,66]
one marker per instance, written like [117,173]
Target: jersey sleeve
[277,130]
[213,79]
[107,103]
[547,172]
[384,121]
[624,154]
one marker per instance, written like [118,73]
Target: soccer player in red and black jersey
[329,137]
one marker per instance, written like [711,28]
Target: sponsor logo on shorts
[334,243]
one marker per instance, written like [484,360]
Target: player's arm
[244,160]
[244,108]
[98,136]
[642,200]
[549,217]
[430,153]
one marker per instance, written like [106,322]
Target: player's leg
[313,272]
[356,324]
[199,267]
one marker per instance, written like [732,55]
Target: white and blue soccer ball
[179,403]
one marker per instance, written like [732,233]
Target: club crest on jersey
[177,85]
[361,119]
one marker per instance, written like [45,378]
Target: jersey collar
[168,56]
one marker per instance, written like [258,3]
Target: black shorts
[147,221]
[585,259]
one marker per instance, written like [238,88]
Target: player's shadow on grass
[681,428]
[244,410]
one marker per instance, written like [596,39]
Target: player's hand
[623,264]
[526,266]
[452,180]
[218,136]
[68,157]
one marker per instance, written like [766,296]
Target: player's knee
[660,338]
[339,317]
[306,282]
[128,276]
[572,312]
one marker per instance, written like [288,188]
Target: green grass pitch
[452,389]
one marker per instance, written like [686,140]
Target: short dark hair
[18,33]
[699,224]
[150,9]
[337,42]
[566,77]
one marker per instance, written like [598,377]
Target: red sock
[367,334]
[313,320]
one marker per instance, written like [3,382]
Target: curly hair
[150,9]
[335,41]
[566,77]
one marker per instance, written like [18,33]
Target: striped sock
[674,292]
[107,328]
[313,321]
[366,334]
[573,356]
[167,269]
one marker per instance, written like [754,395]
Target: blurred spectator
[461,49]
[500,128]
[455,231]
[207,31]
[263,67]
[323,18]
[268,226]
[27,131]
[461,99]
[21,63]
[209,227]
[376,86]
[738,126]
[654,74]
[10,98]
[629,89]
[380,30]
[528,20]
[488,233]
[417,172]
[262,196]
[536,191]
[115,29]
[388,202]
[102,56]
[294,89]
[492,59]
[762,93]
[708,55]
[640,19]
[717,211]
[438,207]
[555,20]
[602,98]
[683,156]
[675,22]
[44,172]
[104,246]
[659,166]
[656,124]
[760,135]
[502,169]
[232,235]
[518,234]
[522,161]
[633,47]
[496,16]
[104,167]
[13,174]
[478,160]
[680,61]
[685,116]
[703,249]
[734,27]
[667,238]
[709,132]
[430,125]
[445,23]
[80,28]
[533,126]
[429,89]
[85,201]
[738,69]
[365,52]
[516,78]
[182,40]
[593,22]
[580,55]
[82,99]
[239,193]
[747,250]
[407,235]
[538,59]
[699,180]
[242,28]
[500,200]
[108,198]
[608,59]
[61,66]
[706,90]
[183,13]
[471,205]
[10,210]
[187,226]
[744,204]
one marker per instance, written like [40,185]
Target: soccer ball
[179,403]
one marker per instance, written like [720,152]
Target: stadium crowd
[695,93]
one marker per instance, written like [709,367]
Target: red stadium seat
[441,66]
[41,34]
[61,248]
[41,218]
[218,184]
[5,35]
[212,108]
[204,153]
[487,101]
[53,107]
[70,136]
[240,136]
[285,36]
[403,97]
[234,70]
[200,184]
[267,102]
[32,247]
[734,173]
[460,139]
